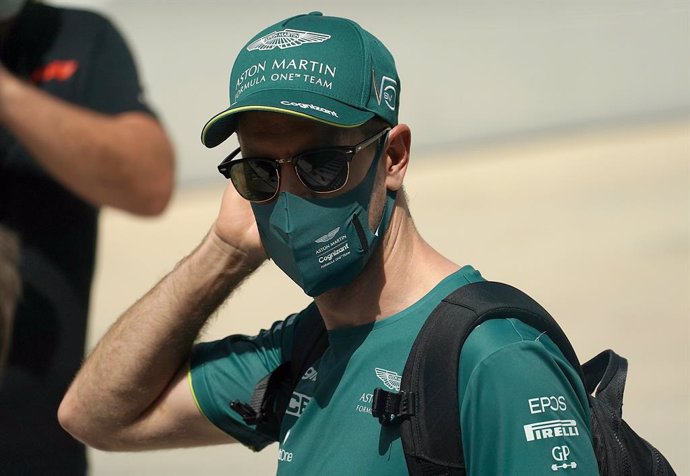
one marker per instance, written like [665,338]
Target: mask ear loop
[364,244]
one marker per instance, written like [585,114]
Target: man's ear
[397,156]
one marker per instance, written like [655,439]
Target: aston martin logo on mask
[287,38]
[327,237]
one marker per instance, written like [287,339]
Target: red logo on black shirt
[58,70]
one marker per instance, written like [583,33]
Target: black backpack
[426,406]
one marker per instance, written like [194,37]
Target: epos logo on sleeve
[542,404]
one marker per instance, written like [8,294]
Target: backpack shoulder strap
[272,394]
[605,377]
[309,342]
[429,386]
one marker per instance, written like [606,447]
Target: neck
[402,270]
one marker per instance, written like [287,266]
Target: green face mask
[323,243]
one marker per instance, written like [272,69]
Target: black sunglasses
[326,170]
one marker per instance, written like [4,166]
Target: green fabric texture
[328,427]
[513,381]
[323,68]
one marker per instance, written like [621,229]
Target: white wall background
[472,71]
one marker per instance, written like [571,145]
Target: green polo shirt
[523,409]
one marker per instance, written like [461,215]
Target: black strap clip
[260,407]
[389,407]
[248,414]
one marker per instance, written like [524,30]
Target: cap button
[318,14]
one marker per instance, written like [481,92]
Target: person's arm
[10,288]
[523,407]
[123,160]
[132,392]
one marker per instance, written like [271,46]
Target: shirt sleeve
[523,409]
[228,369]
[112,84]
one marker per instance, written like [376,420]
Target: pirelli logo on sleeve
[551,429]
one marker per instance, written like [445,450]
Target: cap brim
[297,103]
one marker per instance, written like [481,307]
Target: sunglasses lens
[255,179]
[323,170]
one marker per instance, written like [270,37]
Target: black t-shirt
[77,56]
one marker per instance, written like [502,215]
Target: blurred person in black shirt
[74,136]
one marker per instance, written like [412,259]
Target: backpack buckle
[389,407]
[248,414]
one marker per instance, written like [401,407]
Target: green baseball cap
[328,69]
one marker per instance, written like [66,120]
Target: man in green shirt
[318,188]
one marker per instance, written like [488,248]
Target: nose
[290,182]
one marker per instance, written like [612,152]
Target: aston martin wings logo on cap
[389,378]
[287,38]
